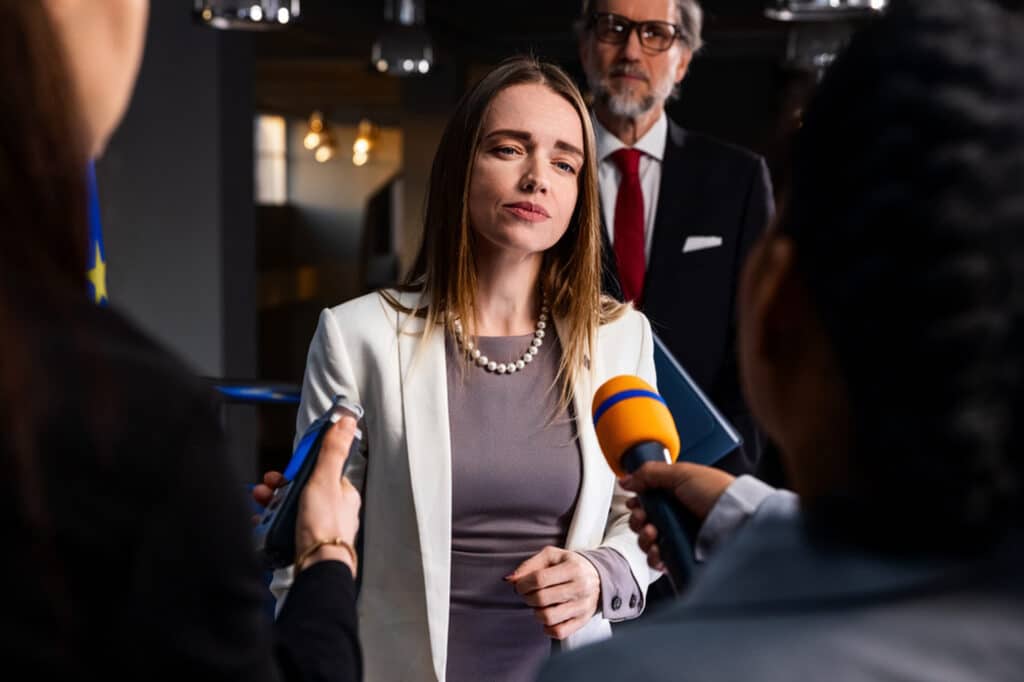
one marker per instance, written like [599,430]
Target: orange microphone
[634,426]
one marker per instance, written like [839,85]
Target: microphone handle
[667,514]
[677,526]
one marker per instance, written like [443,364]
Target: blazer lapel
[428,443]
[680,181]
[595,489]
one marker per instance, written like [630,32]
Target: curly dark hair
[912,245]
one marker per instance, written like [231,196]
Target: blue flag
[96,261]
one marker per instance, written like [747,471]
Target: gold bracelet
[338,542]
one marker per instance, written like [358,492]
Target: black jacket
[128,551]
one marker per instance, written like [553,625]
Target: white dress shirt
[652,145]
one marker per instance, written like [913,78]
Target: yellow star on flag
[98,275]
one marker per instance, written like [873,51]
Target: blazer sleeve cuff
[621,596]
[738,503]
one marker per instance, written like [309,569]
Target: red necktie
[629,224]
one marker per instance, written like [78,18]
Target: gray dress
[516,474]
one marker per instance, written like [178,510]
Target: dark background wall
[201,268]
[177,202]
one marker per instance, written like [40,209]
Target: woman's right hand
[696,486]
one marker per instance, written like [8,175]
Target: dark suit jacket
[708,188]
[127,539]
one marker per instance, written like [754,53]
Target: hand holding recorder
[312,510]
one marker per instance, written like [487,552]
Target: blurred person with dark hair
[882,347]
[680,208]
[127,551]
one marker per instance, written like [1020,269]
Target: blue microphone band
[610,402]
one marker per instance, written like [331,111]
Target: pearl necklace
[506,367]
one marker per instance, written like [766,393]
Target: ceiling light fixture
[316,126]
[366,136]
[820,29]
[246,15]
[404,47]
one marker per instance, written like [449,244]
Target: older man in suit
[680,208]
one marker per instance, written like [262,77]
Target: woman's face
[525,178]
[103,44]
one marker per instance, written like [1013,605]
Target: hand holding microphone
[638,436]
[696,486]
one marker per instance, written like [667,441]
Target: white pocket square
[699,243]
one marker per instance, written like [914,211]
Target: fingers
[697,486]
[274,479]
[546,578]
[563,594]
[647,537]
[575,580]
[637,514]
[654,559]
[657,475]
[542,559]
[334,451]
[550,596]
[646,534]
[566,628]
[558,613]
[262,494]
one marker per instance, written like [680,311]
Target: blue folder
[705,435]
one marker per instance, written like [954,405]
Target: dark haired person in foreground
[126,553]
[882,347]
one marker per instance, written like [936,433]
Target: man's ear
[684,65]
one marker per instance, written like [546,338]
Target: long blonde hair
[445,267]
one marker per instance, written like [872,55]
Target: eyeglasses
[615,29]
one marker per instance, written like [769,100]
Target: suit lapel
[428,443]
[680,181]
[676,196]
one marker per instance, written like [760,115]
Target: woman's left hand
[563,588]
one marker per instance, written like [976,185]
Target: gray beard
[624,104]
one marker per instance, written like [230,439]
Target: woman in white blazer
[511,252]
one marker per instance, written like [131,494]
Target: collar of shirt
[652,143]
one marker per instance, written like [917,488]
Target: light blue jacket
[772,606]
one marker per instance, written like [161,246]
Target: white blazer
[373,354]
